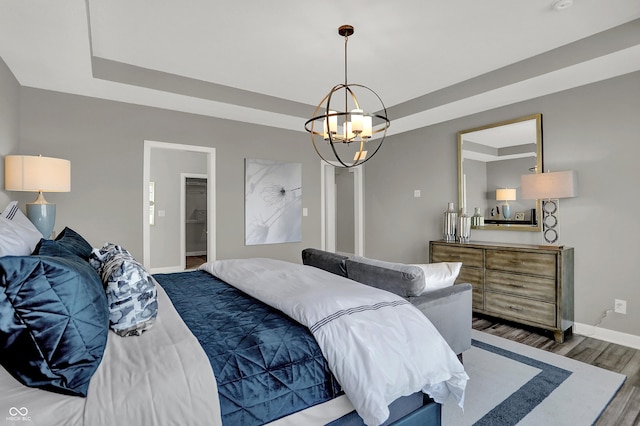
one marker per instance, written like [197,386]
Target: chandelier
[348,132]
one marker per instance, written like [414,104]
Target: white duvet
[378,346]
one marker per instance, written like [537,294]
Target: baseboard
[166,270]
[610,336]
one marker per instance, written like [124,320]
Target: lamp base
[550,210]
[506,211]
[43,216]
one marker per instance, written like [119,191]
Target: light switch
[305,211]
[161,213]
[416,193]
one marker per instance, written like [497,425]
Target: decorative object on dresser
[549,188]
[527,284]
[449,222]
[477,219]
[38,174]
[463,228]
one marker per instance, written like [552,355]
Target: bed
[163,372]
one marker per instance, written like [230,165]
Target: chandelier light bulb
[356,121]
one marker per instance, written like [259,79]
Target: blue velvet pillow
[53,321]
[54,249]
[74,242]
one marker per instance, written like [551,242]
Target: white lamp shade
[35,173]
[505,194]
[356,121]
[367,127]
[549,185]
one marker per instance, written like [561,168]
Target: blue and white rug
[511,383]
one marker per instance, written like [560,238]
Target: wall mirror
[491,160]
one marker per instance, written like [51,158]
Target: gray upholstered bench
[449,308]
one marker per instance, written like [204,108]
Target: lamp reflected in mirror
[506,195]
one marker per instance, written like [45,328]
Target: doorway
[164,245]
[193,202]
[342,207]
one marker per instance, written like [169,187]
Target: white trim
[196,253]
[358,208]
[327,203]
[328,207]
[211,201]
[611,336]
[166,270]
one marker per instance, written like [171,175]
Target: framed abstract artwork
[273,202]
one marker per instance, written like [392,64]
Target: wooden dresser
[528,284]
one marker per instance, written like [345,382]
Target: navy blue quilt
[266,365]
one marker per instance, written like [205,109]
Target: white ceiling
[414,53]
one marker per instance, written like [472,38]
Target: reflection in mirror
[491,159]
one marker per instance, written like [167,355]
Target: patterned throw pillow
[131,292]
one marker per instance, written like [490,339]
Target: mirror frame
[539,168]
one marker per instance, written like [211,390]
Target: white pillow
[439,275]
[18,236]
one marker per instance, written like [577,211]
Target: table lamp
[38,174]
[549,188]
[506,195]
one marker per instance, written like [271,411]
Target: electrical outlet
[620,306]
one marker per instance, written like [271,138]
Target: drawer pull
[515,308]
[517,262]
[517,285]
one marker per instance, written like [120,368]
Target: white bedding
[378,346]
[165,362]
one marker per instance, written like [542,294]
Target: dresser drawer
[516,307]
[467,255]
[534,287]
[522,262]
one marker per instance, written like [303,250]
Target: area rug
[511,383]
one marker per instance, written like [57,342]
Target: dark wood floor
[624,409]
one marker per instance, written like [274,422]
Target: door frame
[328,207]
[211,202]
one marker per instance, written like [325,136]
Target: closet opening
[195,213]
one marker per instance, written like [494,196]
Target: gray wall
[345,223]
[594,129]
[9,122]
[104,142]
